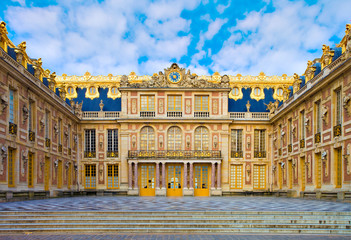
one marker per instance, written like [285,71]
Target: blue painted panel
[93,105]
[30,69]
[11,52]
[45,81]
[256,106]
[337,52]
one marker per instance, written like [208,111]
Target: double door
[147,180]
[201,180]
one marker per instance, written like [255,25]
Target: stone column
[136,175]
[185,175]
[213,175]
[191,180]
[218,175]
[130,176]
[157,175]
[163,175]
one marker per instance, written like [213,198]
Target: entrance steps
[176,222]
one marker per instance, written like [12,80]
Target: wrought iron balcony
[259,154]
[112,154]
[47,142]
[302,143]
[60,147]
[89,154]
[202,114]
[237,154]
[174,114]
[147,114]
[337,130]
[317,138]
[290,148]
[12,128]
[174,154]
[31,136]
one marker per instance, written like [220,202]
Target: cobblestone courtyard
[118,203]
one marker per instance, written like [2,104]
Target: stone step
[200,213]
[177,230]
[173,220]
[175,226]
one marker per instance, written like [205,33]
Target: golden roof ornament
[309,73]
[3,29]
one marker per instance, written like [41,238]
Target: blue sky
[228,36]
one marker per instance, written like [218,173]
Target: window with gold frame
[174,138]
[236,176]
[147,103]
[237,143]
[90,176]
[338,109]
[201,138]
[147,139]
[260,141]
[174,103]
[259,176]
[302,125]
[112,176]
[201,103]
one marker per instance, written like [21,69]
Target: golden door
[147,180]
[201,180]
[47,174]
[302,174]
[174,180]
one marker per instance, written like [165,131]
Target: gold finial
[296,77]
[22,45]
[309,63]
[64,75]
[3,28]
[132,73]
[87,74]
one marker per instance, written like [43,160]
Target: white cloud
[221,7]
[278,42]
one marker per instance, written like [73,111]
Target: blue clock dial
[174,77]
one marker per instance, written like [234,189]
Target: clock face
[174,77]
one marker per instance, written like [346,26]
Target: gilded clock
[174,77]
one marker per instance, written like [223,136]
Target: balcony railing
[174,154]
[89,154]
[259,154]
[12,128]
[317,138]
[112,154]
[337,130]
[249,115]
[302,143]
[147,114]
[202,114]
[174,114]
[31,136]
[47,142]
[237,154]
[101,114]
[290,148]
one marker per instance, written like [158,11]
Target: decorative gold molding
[327,56]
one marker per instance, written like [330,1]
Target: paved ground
[171,237]
[118,203]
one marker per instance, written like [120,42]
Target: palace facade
[175,133]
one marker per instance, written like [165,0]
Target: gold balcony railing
[259,154]
[302,143]
[237,154]
[12,128]
[31,136]
[317,138]
[47,142]
[89,154]
[337,130]
[112,154]
[174,154]
[290,148]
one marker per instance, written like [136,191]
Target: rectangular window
[237,143]
[90,176]
[338,107]
[290,131]
[318,119]
[30,116]
[260,143]
[47,124]
[112,174]
[302,125]
[259,176]
[112,143]
[201,103]
[30,170]
[59,132]
[11,167]
[69,136]
[174,103]
[147,103]
[280,136]
[90,142]
[236,176]
[12,106]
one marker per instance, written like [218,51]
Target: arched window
[70,90]
[174,138]
[147,139]
[114,90]
[201,138]
[280,92]
[235,91]
[257,91]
